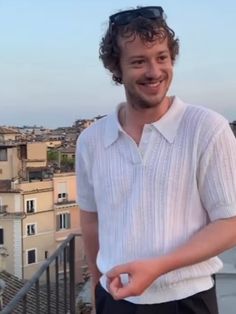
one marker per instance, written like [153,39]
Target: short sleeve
[217,175]
[85,191]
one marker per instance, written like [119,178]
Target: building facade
[38,209]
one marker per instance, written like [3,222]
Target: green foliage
[52,155]
[68,163]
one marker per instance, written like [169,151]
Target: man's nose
[153,70]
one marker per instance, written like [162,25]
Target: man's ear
[117,74]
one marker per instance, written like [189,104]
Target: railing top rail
[29,284]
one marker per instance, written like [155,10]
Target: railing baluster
[20,297]
[57,284]
[25,304]
[48,290]
[65,277]
[37,297]
[72,274]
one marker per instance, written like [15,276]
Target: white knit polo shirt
[152,198]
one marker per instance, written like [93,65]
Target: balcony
[57,294]
[52,289]
[63,200]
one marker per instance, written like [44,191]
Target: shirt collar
[170,121]
[167,125]
[112,127]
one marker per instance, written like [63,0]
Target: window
[31,256]
[62,197]
[63,221]
[23,151]
[61,255]
[1,236]
[31,229]
[3,154]
[30,206]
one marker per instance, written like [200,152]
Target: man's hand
[200,247]
[141,275]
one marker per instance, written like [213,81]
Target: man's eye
[162,58]
[137,62]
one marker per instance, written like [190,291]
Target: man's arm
[212,240]
[89,226]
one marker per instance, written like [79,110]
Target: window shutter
[57,222]
[1,236]
[68,220]
[61,187]
[31,257]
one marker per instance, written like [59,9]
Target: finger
[123,292]
[118,270]
[108,281]
[114,286]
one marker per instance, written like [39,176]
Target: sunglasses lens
[125,17]
[151,13]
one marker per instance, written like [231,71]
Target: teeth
[153,84]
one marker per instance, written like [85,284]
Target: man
[156,181]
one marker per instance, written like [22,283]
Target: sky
[51,75]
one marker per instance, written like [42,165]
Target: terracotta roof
[14,284]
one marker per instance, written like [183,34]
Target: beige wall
[75,228]
[70,181]
[12,200]
[44,221]
[36,157]
[37,185]
[43,200]
[42,241]
[9,137]
[16,202]
[46,238]
[74,221]
[9,169]
[37,150]
[32,164]
[7,225]
[41,191]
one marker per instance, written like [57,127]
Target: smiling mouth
[152,84]
[151,87]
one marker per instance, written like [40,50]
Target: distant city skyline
[50,73]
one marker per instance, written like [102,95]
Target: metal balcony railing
[57,294]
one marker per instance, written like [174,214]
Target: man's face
[147,71]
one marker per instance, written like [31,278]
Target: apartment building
[8,134]
[67,215]
[37,209]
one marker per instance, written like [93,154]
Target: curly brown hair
[147,29]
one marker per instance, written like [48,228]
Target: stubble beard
[140,103]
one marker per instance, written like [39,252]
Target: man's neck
[133,120]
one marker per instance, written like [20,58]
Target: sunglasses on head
[125,17]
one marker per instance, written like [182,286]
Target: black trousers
[201,303]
